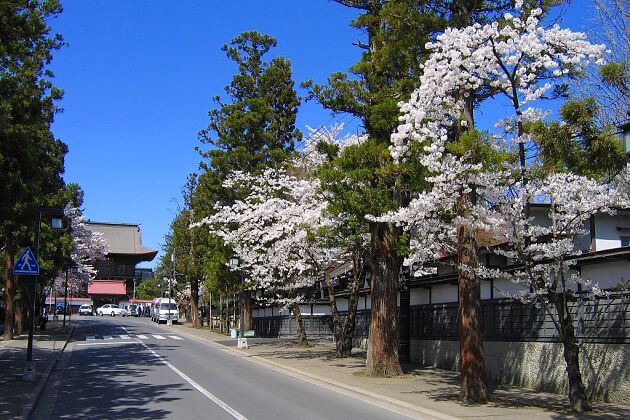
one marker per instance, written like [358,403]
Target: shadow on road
[113,383]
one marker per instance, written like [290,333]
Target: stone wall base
[540,366]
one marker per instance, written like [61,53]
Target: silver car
[111,310]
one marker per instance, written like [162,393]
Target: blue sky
[139,76]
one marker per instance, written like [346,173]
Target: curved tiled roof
[123,238]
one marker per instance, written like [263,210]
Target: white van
[164,309]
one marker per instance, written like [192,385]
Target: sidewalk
[428,391]
[17,397]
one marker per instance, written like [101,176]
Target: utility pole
[65,299]
[170,289]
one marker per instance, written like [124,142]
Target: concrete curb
[30,405]
[306,375]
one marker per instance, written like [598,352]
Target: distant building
[116,275]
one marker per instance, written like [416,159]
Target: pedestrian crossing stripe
[129,337]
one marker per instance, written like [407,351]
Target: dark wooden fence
[596,320]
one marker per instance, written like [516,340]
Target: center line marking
[195,385]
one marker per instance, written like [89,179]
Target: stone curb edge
[30,405]
[360,391]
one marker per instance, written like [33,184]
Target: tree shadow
[114,385]
[16,392]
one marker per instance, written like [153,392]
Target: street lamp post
[30,372]
[242,341]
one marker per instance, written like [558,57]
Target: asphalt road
[129,368]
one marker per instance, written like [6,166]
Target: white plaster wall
[342,305]
[485,289]
[365,302]
[419,296]
[606,234]
[444,293]
[503,287]
[608,274]
[321,310]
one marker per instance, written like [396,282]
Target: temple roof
[123,239]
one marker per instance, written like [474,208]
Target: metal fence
[595,320]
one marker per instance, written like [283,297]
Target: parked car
[133,310]
[85,310]
[111,310]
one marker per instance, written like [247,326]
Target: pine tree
[252,130]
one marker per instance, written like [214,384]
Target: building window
[625,241]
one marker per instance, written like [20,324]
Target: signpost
[26,265]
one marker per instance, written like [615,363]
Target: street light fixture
[625,129]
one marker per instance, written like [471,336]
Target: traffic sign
[26,264]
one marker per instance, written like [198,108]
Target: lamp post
[242,341]
[56,222]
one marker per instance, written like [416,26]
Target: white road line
[174,337]
[125,337]
[198,387]
[159,337]
[108,337]
[102,343]
[142,336]
[123,327]
[90,338]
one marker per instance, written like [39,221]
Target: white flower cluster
[269,229]
[516,58]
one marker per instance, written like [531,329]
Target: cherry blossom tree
[284,237]
[266,230]
[89,246]
[519,60]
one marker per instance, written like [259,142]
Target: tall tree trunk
[18,326]
[353,303]
[210,311]
[403,320]
[301,333]
[9,288]
[472,357]
[246,309]
[336,317]
[382,358]
[578,397]
[194,302]
[221,313]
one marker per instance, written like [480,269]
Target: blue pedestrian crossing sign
[26,264]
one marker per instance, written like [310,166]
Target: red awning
[107,287]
